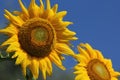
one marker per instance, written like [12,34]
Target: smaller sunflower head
[92,65]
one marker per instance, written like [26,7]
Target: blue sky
[96,22]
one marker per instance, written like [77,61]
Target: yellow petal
[15,55]
[90,50]
[82,58]
[10,30]
[54,53]
[43,67]
[34,67]
[48,14]
[33,9]
[16,12]
[10,40]
[114,78]
[25,63]
[66,33]
[48,4]
[20,58]
[24,10]
[63,41]
[41,7]
[13,47]
[83,52]
[59,16]
[58,63]
[49,66]
[81,64]
[115,74]
[55,8]
[82,69]
[41,3]
[63,49]
[99,54]
[82,77]
[78,77]
[14,19]
[61,25]
[108,62]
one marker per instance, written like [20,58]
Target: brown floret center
[36,37]
[97,70]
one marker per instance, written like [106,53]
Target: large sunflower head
[38,36]
[92,65]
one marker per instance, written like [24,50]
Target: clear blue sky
[95,21]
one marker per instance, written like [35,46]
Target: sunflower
[92,65]
[38,36]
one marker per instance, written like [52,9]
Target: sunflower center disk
[39,35]
[36,37]
[98,71]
